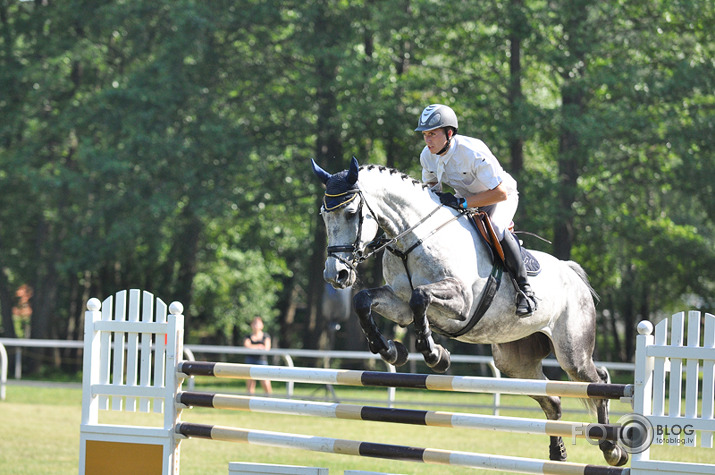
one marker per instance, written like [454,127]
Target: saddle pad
[533,267]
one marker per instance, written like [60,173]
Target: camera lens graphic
[636,433]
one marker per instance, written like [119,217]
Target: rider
[468,166]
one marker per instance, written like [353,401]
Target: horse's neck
[399,204]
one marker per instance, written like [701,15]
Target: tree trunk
[566,189]
[287,327]
[628,313]
[515,94]
[6,304]
[329,154]
[44,284]
[315,325]
[572,153]
[616,349]
[187,247]
[44,299]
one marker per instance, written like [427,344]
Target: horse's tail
[576,267]
[602,371]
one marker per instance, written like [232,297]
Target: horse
[437,275]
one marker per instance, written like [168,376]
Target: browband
[353,192]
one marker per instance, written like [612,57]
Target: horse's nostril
[343,276]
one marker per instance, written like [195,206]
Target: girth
[490,290]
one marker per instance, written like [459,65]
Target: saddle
[483,224]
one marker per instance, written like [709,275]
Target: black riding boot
[525,299]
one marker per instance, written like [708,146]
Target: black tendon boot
[525,299]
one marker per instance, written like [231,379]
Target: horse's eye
[350,215]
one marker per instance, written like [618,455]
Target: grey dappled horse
[435,275]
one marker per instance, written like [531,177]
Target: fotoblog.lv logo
[634,433]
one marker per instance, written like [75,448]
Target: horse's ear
[353,171]
[320,173]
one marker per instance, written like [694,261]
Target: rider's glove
[448,199]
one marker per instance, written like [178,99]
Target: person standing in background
[257,340]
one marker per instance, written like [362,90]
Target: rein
[404,255]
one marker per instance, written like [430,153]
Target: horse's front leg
[449,294]
[392,308]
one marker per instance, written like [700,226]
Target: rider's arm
[489,197]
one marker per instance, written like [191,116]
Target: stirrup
[525,302]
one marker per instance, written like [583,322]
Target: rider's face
[435,139]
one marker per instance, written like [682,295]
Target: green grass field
[41,432]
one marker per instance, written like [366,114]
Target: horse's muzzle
[338,274]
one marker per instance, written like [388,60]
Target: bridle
[357,256]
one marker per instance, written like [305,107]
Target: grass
[41,432]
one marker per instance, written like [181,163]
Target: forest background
[165,145]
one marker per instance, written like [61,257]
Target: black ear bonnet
[339,190]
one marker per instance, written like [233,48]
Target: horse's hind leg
[613,453]
[580,367]
[391,307]
[574,338]
[522,359]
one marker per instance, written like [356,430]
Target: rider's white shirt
[468,166]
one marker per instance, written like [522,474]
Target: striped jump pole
[471,384]
[392,452]
[598,432]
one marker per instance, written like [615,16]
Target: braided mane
[392,171]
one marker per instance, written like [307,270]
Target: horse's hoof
[615,455]
[389,352]
[442,362]
[557,450]
[395,354]
[617,458]
[402,354]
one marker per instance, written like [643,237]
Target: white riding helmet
[436,116]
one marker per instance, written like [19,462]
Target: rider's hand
[448,199]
